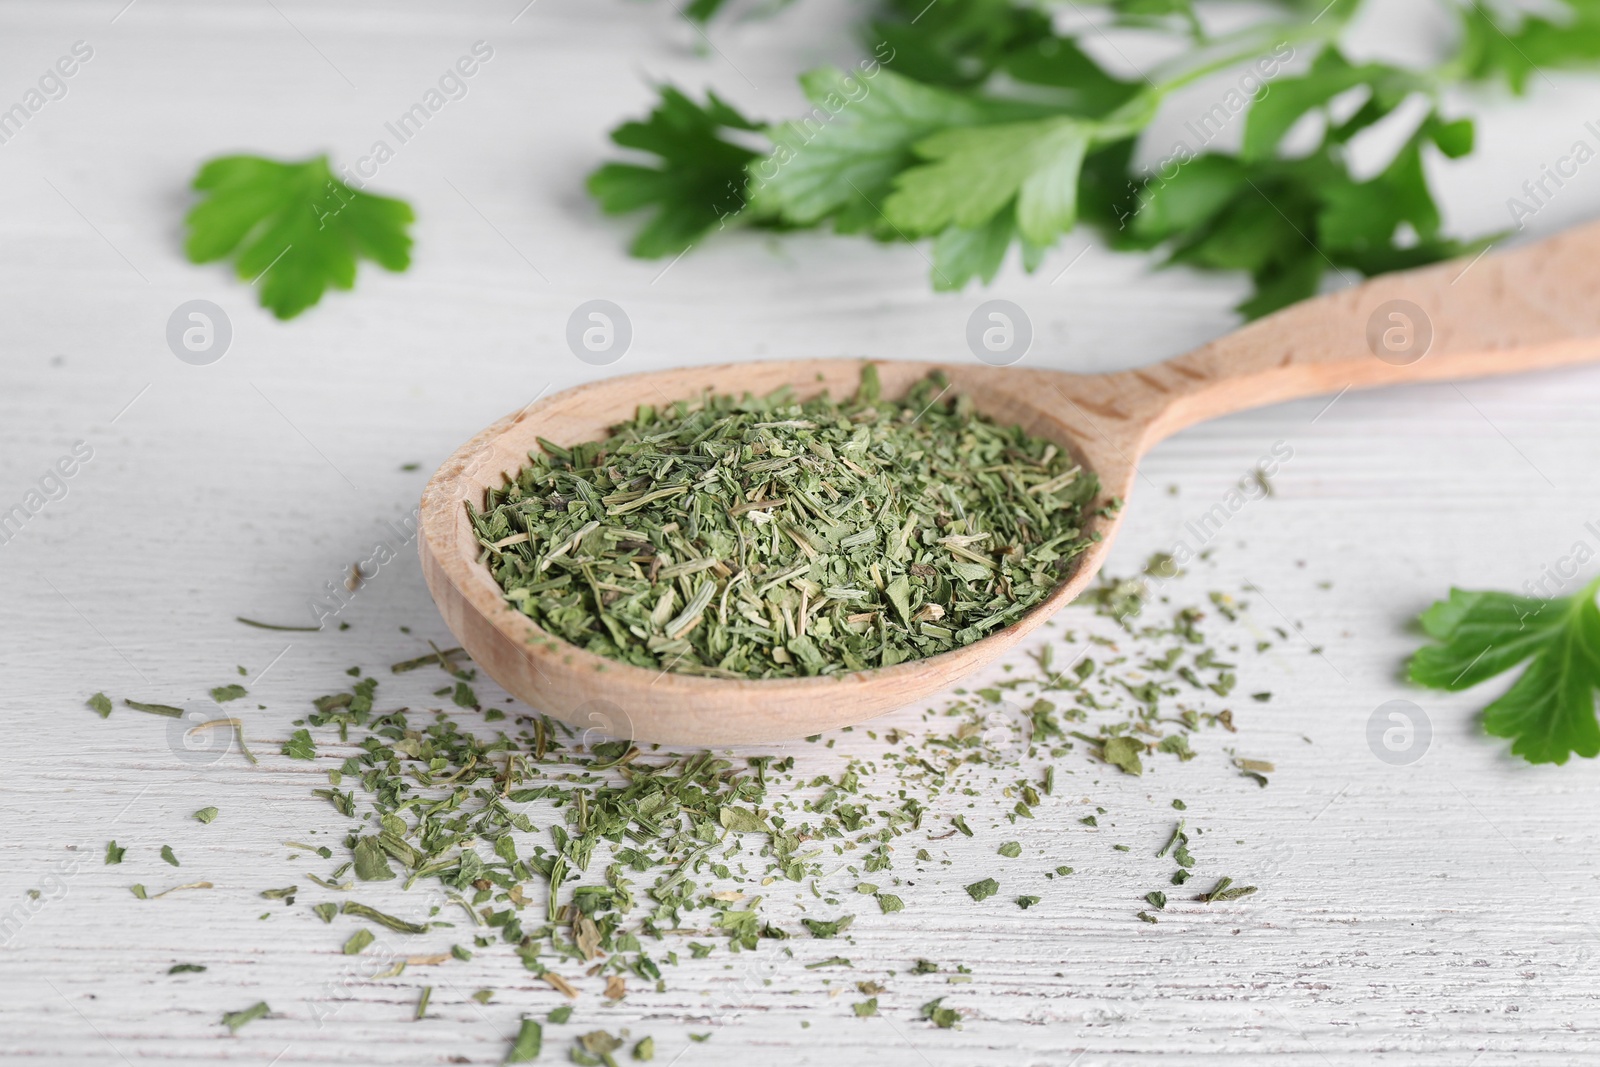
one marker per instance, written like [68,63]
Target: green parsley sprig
[293,229]
[981,125]
[1549,712]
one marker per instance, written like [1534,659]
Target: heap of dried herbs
[766,537]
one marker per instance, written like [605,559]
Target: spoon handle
[1534,306]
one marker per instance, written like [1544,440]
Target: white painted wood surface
[1437,913]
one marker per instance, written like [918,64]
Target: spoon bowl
[1535,307]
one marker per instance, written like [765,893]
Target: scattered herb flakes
[300,745]
[371,863]
[168,855]
[983,890]
[422,1002]
[164,710]
[942,1017]
[442,658]
[1010,850]
[631,844]
[599,1045]
[206,815]
[285,894]
[645,1049]
[865,1008]
[224,693]
[831,961]
[1225,890]
[1124,752]
[560,1014]
[1177,745]
[100,704]
[358,941]
[114,852]
[743,820]
[764,537]
[233,1020]
[528,1044]
[186,968]
[829,929]
[270,626]
[399,926]
[1145,916]
[560,985]
[483,996]
[1254,769]
[1156,899]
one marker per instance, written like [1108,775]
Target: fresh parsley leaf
[293,229]
[1288,221]
[699,181]
[703,11]
[957,45]
[974,173]
[1494,47]
[839,162]
[984,124]
[1271,117]
[1549,712]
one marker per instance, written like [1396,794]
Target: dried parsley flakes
[766,537]
[983,890]
[235,1019]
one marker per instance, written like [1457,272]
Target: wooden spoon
[1538,306]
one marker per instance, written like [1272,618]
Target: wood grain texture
[1438,914]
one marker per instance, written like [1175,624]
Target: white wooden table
[1438,913]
